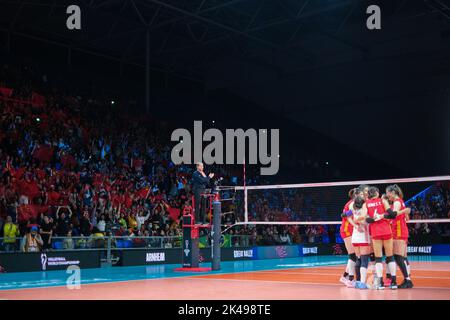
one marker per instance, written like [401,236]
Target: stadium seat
[119,244]
[57,245]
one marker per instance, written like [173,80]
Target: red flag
[43,153]
[37,100]
[174,213]
[7,92]
[25,212]
[68,161]
[143,192]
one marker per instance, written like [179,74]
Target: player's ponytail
[373,192]
[394,188]
[351,193]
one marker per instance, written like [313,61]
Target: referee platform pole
[216,233]
[190,243]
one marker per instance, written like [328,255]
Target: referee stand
[191,231]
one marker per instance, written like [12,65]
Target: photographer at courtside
[32,242]
[200,182]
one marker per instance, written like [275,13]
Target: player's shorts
[361,244]
[382,237]
[345,235]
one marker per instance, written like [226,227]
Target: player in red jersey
[400,232]
[378,213]
[346,231]
[405,212]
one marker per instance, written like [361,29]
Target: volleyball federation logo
[44,261]
[281,251]
[337,249]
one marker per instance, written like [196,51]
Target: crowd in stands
[434,204]
[77,167]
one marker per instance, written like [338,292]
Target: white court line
[307,283]
[330,274]
[271,281]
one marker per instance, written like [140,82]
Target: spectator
[85,224]
[141,219]
[123,222]
[97,239]
[10,234]
[132,223]
[46,229]
[284,238]
[32,241]
[68,243]
[62,226]
[101,224]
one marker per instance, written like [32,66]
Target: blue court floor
[25,280]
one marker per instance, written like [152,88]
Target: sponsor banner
[339,249]
[48,261]
[419,249]
[435,250]
[321,249]
[440,249]
[274,252]
[238,254]
[137,257]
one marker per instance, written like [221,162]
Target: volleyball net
[322,203]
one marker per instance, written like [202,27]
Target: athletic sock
[379,269]
[350,270]
[408,266]
[363,274]
[351,277]
[392,268]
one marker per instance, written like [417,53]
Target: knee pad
[378,260]
[389,259]
[364,261]
[372,257]
[352,256]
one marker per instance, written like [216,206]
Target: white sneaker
[378,284]
[343,280]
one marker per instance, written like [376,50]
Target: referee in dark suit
[199,183]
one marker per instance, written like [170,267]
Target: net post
[108,251]
[216,235]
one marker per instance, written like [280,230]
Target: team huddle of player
[373,224]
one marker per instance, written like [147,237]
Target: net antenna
[339,188]
[245,195]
